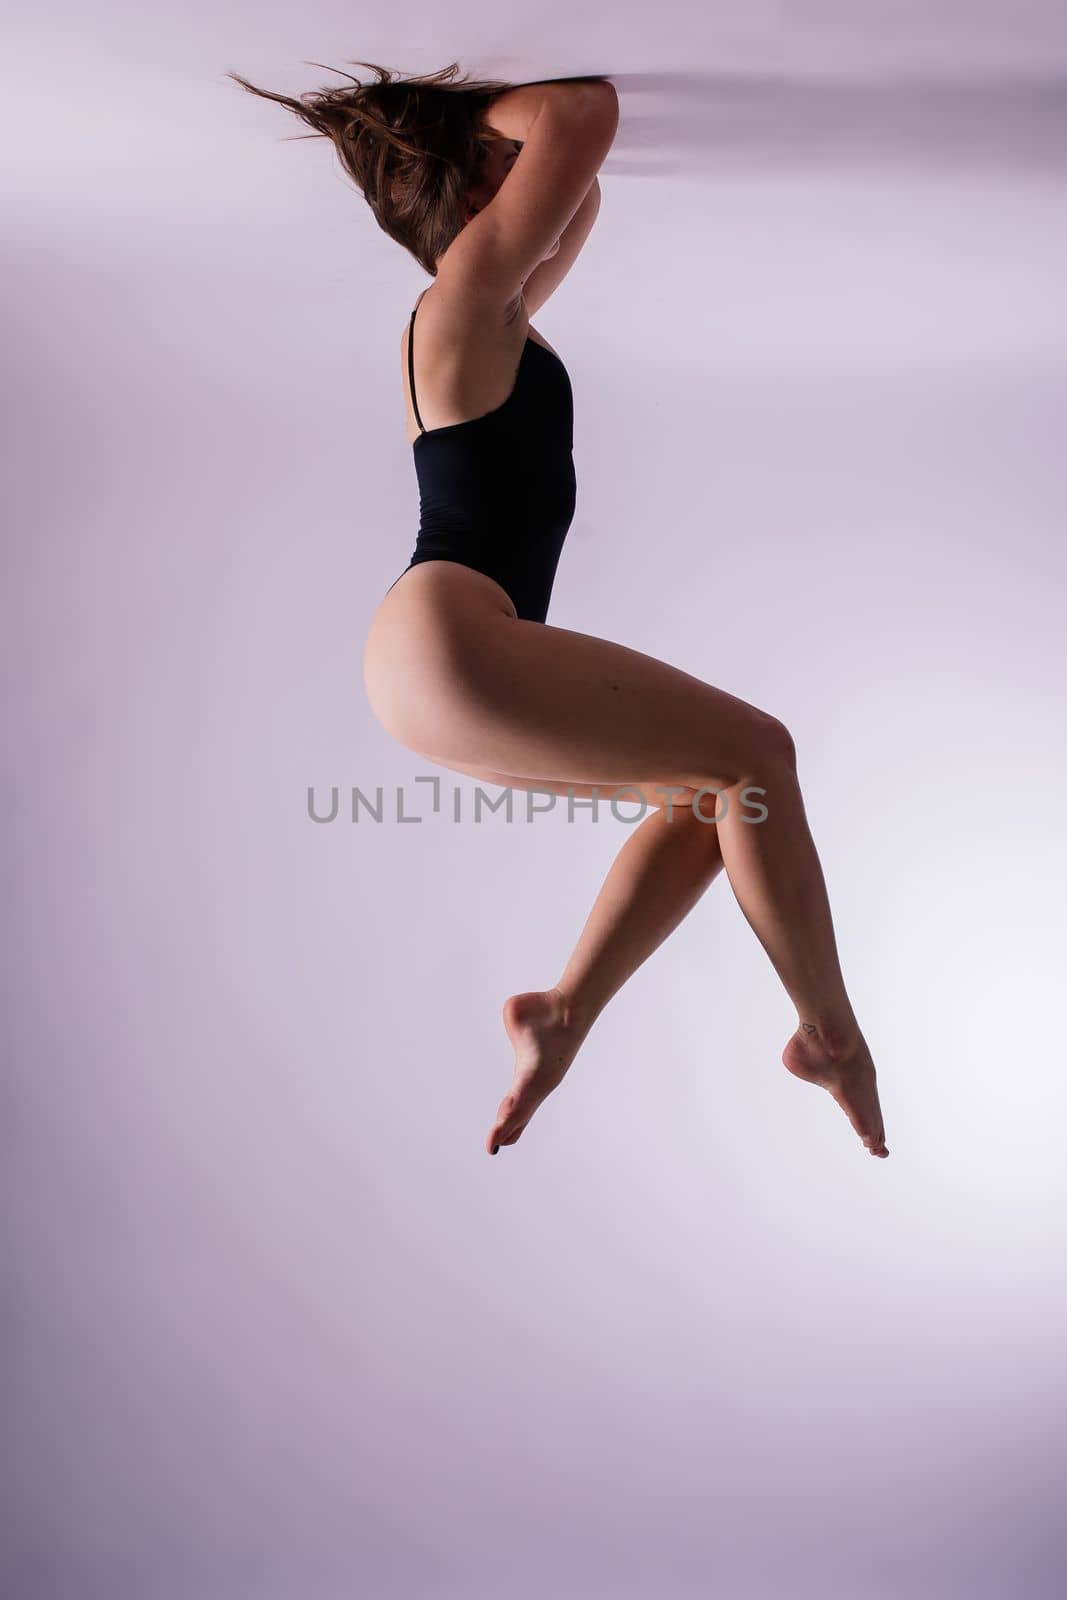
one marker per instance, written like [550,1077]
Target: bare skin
[455,675]
[655,881]
[546,1037]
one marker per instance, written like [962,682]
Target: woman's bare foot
[845,1068]
[546,1038]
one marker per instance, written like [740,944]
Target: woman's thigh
[454,675]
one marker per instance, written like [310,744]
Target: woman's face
[500,156]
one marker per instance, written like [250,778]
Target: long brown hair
[411,145]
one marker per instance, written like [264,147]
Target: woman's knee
[780,745]
[768,748]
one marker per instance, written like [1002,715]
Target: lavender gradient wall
[276,1327]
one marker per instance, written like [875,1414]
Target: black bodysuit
[497,492]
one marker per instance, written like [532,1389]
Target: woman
[494,190]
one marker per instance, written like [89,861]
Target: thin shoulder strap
[411,365]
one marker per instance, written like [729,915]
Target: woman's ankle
[837,1035]
[579,1013]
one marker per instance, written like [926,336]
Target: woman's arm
[548,276]
[511,113]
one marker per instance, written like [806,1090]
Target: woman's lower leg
[656,879]
[654,882]
[777,879]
